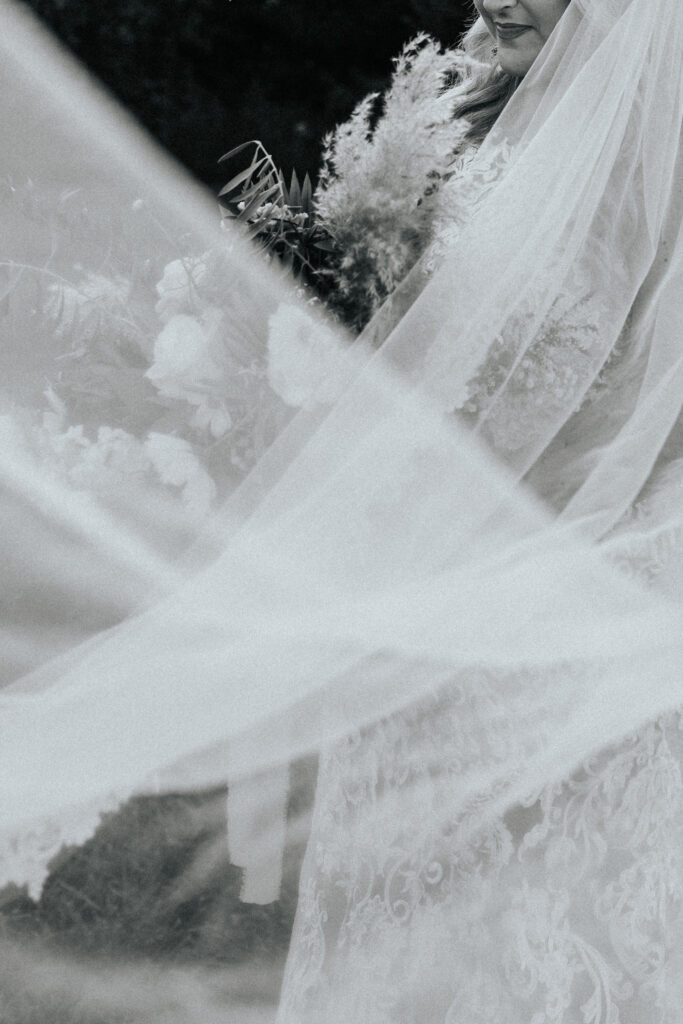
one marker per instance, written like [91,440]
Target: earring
[494,51]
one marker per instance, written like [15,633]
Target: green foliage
[371,216]
[281,218]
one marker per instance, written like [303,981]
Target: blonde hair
[483,87]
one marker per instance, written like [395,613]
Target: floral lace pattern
[567,909]
[518,392]
[518,375]
[466,188]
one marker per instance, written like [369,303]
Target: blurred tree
[204,75]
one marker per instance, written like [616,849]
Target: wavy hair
[482,87]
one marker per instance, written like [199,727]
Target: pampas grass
[380,172]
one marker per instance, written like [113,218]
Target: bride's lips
[510,31]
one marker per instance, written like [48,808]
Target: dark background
[205,75]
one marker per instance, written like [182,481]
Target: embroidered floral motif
[468,184]
[519,392]
[557,914]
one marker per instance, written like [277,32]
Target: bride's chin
[513,62]
[518,68]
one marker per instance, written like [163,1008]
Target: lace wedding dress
[566,909]
[569,906]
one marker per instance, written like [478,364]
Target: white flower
[103,465]
[172,458]
[214,418]
[119,451]
[189,364]
[183,359]
[307,364]
[177,465]
[114,455]
[177,289]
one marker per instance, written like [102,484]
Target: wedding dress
[451,565]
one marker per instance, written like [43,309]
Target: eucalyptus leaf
[239,149]
[243,177]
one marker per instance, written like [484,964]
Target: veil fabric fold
[233,538]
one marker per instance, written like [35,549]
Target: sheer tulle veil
[232,537]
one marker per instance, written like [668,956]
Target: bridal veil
[232,536]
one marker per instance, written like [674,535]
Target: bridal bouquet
[353,240]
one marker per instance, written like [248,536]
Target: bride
[451,564]
[566,907]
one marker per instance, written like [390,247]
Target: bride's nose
[494,6]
